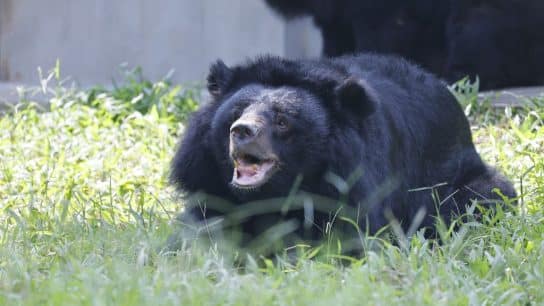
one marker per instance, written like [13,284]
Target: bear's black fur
[499,41]
[413,29]
[375,132]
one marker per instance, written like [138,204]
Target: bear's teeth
[246,174]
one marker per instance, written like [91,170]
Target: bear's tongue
[248,174]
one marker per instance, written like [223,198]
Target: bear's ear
[355,95]
[218,78]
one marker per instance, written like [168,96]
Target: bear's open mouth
[251,171]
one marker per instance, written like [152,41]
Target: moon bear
[368,137]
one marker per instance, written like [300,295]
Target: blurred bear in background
[500,41]
[412,29]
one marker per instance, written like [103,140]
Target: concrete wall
[93,37]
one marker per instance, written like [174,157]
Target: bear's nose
[242,131]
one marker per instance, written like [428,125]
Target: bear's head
[274,123]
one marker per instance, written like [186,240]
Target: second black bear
[412,29]
[499,41]
[374,132]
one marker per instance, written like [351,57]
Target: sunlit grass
[85,211]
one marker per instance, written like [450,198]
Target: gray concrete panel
[93,37]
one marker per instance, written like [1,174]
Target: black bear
[374,132]
[413,29]
[500,41]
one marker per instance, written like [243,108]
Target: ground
[85,209]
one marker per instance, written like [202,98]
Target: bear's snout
[253,159]
[247,136]
[243,131]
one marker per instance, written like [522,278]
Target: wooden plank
[517,96]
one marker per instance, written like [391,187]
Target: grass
[85,209]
